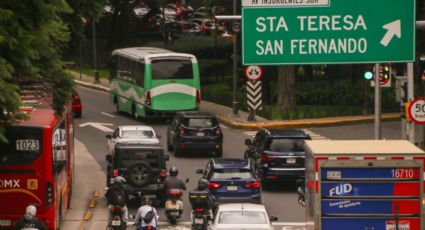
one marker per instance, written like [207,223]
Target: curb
[334,121]
[307,123]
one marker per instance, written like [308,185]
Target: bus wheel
[134,112]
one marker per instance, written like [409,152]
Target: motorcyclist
[29,221]
[141,214]
[116,196]
[172,181]
[203,186]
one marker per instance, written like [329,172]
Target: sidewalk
[226,116]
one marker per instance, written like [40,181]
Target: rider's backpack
[149,216]
[118,197]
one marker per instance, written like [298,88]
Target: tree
[32,36]
[286,89]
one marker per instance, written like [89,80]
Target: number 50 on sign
[417,111]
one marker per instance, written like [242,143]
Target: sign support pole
[410,97]
[377,104]
[235,79]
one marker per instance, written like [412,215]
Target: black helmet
[203,184]
[174,171]
[146,200]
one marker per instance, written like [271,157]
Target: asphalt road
[99,118]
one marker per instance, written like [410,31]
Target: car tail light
[49,194]
[265,158]
[181,131]
[148,98]
[198,97]
[214,185]
[254,184]
[218,131]
[163,173]
[115,173]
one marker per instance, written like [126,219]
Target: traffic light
[385,73]
[368,73]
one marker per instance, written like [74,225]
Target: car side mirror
[199,171]
[166,157]
[274,218]
[248,142]
[109,136]
[187,180]
[158,136]
[109,158]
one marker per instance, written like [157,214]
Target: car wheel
[139,174]
[176,150]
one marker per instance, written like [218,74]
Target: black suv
[143,166]
[278,154]
[195,132]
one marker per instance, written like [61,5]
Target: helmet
[146,200]
[203,184]
[31,210]
[174,171]
[119,180]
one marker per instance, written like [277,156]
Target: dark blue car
[232,180]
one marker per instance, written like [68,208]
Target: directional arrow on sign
[100,126]
[393,29]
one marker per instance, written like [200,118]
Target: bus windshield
[168,69]
[23,147]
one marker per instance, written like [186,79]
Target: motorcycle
[174,204]
[117,222]
[201,210]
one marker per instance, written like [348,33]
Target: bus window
[23,147]
[139,74]
[172,69]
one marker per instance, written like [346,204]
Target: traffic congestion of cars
[235,184]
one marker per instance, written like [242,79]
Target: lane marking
[88,215]
[92,203]
[96,193]
[107,114]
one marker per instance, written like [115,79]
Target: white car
[242,216]
[131,134]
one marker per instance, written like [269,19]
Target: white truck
[364,185]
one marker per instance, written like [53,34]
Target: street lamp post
[235,79]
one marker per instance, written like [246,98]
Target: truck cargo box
[364,184]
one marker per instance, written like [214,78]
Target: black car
[278,154]
[143,166]
[195,132]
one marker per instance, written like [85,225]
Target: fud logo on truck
[341,189]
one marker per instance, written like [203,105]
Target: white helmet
[31,210]
[119,180]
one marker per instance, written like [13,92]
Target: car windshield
[143,134]
[245,217]
[286,145]
[231,173]
[199,122]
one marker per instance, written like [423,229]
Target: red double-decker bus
[36,165]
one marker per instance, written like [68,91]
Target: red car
[77,107]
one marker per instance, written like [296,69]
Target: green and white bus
[154,82]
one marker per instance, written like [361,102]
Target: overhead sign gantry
[279,32]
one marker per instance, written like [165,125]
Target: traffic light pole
[377,104]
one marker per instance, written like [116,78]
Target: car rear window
[244,217]
[286,145]
[232,174]
[199,122]
[137,134]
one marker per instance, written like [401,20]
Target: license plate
[232,188]
[174,213]
[199,221]
[5,222]
[291,161]
[116,223]
[200,134]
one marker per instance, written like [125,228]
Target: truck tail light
[218,131]
[115,173]
[254,184]
[163,173]
[198,97]
[181,131]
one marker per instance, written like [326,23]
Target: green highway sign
[292,32]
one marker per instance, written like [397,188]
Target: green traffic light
[368,75]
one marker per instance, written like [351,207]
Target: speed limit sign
[417,111]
